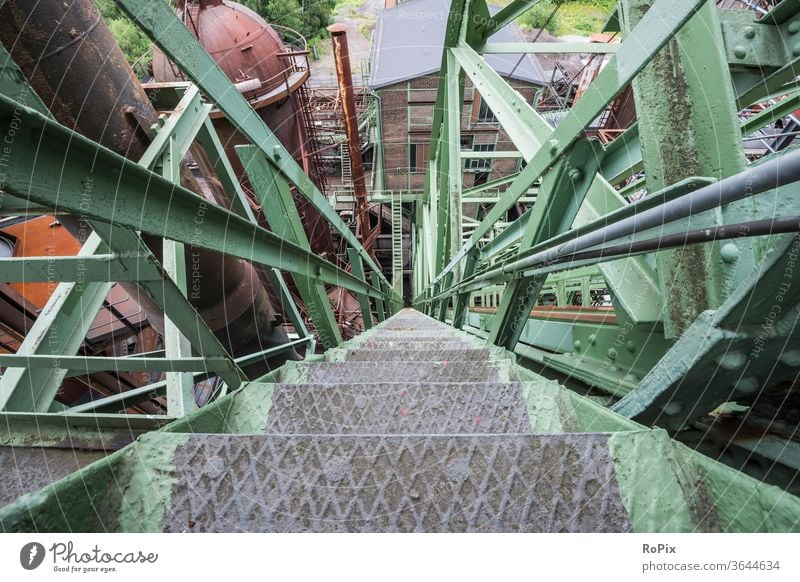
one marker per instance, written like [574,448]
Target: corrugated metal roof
[408,44]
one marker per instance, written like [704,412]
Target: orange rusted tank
[269,73]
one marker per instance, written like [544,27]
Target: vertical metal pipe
[344,76]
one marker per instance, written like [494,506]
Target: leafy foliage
[308,17]
[134,43]
[582,17]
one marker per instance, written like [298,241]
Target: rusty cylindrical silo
[270,76]
[252,54]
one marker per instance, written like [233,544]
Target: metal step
[409,408]
[26,469]
[358,372]
[545,483]
[415,355]
[431,345]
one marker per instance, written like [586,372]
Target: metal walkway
[412,426]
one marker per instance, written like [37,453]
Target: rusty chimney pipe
[344,75]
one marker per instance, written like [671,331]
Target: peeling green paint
[146,495]
[649,488]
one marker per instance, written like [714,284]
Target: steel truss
[694,269]
[52,166]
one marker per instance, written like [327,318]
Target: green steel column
[380,311]
[688,125]
[363,300]
[444,303]
[563,190]
[461,301]
[179,384]
[455,103]
[275,196]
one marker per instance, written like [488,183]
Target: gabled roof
[408,42]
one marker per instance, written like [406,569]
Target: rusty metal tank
[270,73]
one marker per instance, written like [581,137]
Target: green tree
[134,43]
[308,17]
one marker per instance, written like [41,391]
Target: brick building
[405,61]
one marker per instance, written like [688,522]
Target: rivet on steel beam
[611,353]
[747,385]
[732,360]
[592,339]
[729,253]
[740,51]
[791,358]
[276,151]
[672,408]
[794,27]
[630,346]
[796,50]
[575,174]
[749,32]
[553,143]
[577,345]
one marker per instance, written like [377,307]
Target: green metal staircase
[397,242]
[412,426]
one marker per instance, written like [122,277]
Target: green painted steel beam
[32,388]
[771,114]
[689,80]
[380,309]
[454,102]
[208,138]
[90,364]
[58,179]
[169,298]
[561,195]
[86,269]
[59,329]
[658,26]
[520,120]
[488,185]
[508,237]
[275,196]
[135,396]
[162,25]
[179,129]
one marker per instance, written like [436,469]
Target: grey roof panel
[408,44]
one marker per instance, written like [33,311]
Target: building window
[485,114]
[481,165]
[481,112]
[417,157]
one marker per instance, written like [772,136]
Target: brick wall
[400,131]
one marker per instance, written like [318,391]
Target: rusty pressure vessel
[253,56]
[72,61]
